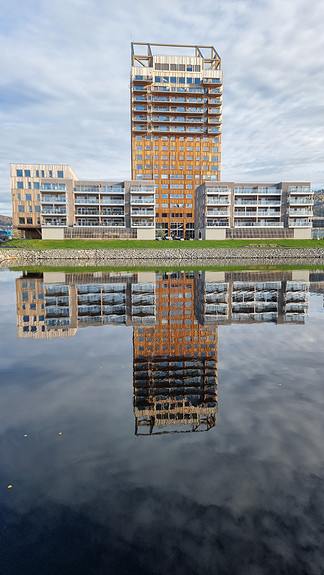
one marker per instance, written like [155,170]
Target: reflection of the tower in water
[175,317]
[175,364]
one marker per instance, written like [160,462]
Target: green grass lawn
[143,244]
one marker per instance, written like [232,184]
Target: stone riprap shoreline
[13,257]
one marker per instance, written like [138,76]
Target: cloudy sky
[64,74]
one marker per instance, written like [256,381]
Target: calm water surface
[161,423]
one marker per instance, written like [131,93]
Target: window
[139,166]
[43,173]
[50,173]
[27,173]
[37,209]
[60,173]
[20,185]
[29,185]
[139,157]
[19,173]
[189,80]
[21,209]
[37,173]
[28,197]
[164,215]
[29,220]
[21,220]
[19,197]
[36,185]
[30,209]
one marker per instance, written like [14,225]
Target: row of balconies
[257,191]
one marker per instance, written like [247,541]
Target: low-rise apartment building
[236,210]
[49,201]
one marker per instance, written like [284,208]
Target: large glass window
[20,185]
[28,197]
[36,185]
[21,209]
[21,220]
[19,173]
[60,173]
[27,173]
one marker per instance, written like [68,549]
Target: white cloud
[64,78]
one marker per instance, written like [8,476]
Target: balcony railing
[301,212]
[217,202]
[142,201]
[141,189]
[301,201]
[217,213]
[142,223]
[216,190]
[299,223]
[143,212]
[53,212]
[299,190]
[53,199]
[240,224]
[215,223]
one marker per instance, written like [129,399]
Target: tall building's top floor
[175,57]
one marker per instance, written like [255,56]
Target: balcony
[254,224]
[142,212]
[177,120]
[143,200]
[89,212]
[53,212]
[179,89]
[217,223]
[139,118]
[112,212]
[211,212]
[86,189]
[61,222]
[113,223]
[260,191]
[299,190]
[142,223]
[295,212]
[217,202]
[301,201]
[246,213]
[181,129]
[299,223]
[139,78]
[112,201]
[53,199]
[217,190]
[112,190]
[269,213]
[52,186]
[141,190]
[79,200]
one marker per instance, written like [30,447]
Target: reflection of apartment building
[250,297]
[176,103]
[175,364]
[50,202]
[43,311]
[56,304]
[231,210]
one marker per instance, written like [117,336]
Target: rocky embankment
[13,257]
